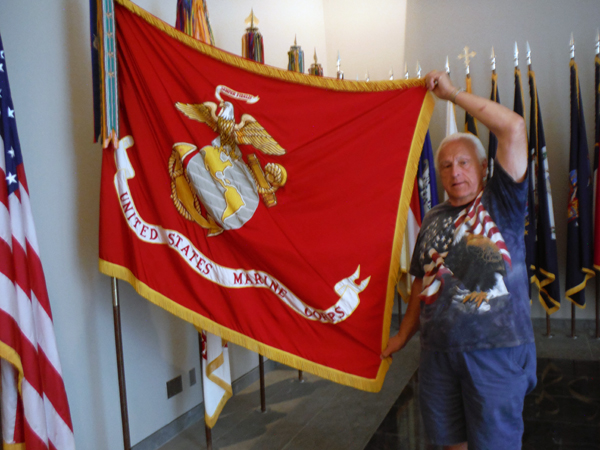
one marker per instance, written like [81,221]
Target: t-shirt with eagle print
[471,258]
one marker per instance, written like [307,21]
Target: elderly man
[470,295]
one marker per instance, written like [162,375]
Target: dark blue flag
[530,225]
[428,195]
[579,211]
[545,261]
[96,80]
[493,142]
[596,158]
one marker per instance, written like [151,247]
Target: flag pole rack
[120,365]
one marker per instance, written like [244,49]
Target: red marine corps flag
[264,206]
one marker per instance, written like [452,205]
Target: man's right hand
[395,344]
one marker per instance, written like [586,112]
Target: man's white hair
[468,137]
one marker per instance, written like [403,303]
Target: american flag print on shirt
[473,220]
[34,408]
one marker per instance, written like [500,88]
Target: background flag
[413,225]
[579,212]
[493,142]
[546,263]
[192,19]
[426,178]
[451,127]
[596,162]
[425,197]
[242,198]
[530,218]
[34,408]
[216,376]
[470,122]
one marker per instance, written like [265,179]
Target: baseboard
[539,323]
[196,414]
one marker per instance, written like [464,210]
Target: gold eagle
[248,131]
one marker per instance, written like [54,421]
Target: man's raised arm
[508,126]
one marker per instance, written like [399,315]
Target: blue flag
[579,210]
[428,195]
[545,256]
[530,225]
[493,142]
[596,162]
[96,77]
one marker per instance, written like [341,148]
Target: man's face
[461,172]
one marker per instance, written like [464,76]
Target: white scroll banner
[347,289]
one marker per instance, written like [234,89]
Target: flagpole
[207,429]
[120,365]
[261,369]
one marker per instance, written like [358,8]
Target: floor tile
[562,413]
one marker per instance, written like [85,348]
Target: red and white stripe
[476,220]
[34,407]
[433,280]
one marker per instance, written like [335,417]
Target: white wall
[439,28]
[368,35]
[278,23]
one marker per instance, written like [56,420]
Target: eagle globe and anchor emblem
[216,175]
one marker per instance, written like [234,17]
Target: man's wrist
[455,93]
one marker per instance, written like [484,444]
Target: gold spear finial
[252,19]
[467,56]
[315,56]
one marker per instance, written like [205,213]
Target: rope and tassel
[252,41]
[316,68]
[296,58]
[192,19]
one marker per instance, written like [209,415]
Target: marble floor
[562,413]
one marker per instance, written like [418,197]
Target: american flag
[34,408]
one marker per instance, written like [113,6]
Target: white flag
[216,376]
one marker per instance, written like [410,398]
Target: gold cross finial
[467,56]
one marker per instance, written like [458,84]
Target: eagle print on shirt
[471,250]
